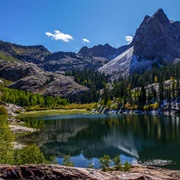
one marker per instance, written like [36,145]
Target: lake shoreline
[54,112]
[15,123]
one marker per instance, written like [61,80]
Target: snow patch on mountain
[120,65]
[125,64]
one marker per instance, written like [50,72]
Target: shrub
[114,106]
[154,106]
[29,155]
[67,161]
[146,107]
[117,163]
[117,160]
[90,165]
[6,139]
[104,161]
[95,106]
[127,166]
[3,111]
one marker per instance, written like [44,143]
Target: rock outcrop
[27,76]
[64,172]
[18,129]
[13,109]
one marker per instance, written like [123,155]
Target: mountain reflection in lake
[88,137]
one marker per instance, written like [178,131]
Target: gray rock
[157,162]
[53,171]
[13,109]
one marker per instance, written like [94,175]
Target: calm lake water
[88,137]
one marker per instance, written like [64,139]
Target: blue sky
[61,25]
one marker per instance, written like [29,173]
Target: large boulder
[63,172]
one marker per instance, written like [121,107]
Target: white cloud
[128,39]
[59,36]
[86,40]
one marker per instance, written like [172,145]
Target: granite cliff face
[27,76]
[156,40]
[157,37]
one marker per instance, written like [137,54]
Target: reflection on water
[88,137]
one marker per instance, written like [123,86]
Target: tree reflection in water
[141,137]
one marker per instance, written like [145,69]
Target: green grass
[54,112]
[6,82]
[7,57]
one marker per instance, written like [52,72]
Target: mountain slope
[119,65]
[86,58]
[33,54]
[27,76]
[156,40]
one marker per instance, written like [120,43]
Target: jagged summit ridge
[157,37]
[160,16]
[86,58]
[105,51]
[156,40]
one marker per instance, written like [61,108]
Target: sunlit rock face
[156,40]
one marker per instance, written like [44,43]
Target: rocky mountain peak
[145,20]
[157,38]
[160,16]
[105,51]
[107,45]
[84,51]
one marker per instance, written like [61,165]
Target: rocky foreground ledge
[63,172]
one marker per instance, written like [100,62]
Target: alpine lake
[86,138]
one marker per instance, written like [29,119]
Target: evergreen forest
[139,89]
